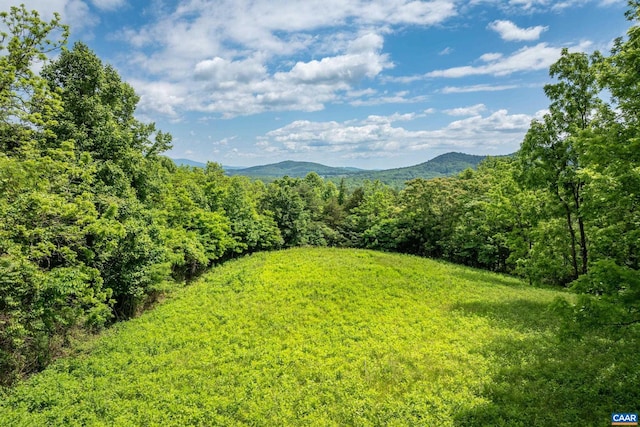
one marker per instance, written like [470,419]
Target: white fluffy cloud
[529,58]
[245,86]
[76,13]
[381,136]
[538,57]
[161,97]
[363,59]
[236,59]
[226,73]
[108,4]
[73,12]
[541,5]
[374,98]
[477,88]
[472,110]
[276,27]
[511,32]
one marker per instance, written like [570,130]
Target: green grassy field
[338,337]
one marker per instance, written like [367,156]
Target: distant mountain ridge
[294,169]
[187,162]
[447,164]
[195,164]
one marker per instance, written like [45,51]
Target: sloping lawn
[335,337]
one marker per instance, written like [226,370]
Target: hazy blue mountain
[293,169]
[187,162]
[448,164]
[444,165]
[193,163]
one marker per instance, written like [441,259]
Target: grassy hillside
[338,337]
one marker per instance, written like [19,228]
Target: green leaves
[27,106]
[284,201]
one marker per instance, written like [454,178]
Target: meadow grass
[338,337]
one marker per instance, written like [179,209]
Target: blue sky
[372,84]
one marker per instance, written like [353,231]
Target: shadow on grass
[547,379]
[490,278]
[522,314]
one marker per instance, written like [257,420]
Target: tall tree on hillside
[550,154]
[26,103]
[282,200]
[429,210]
[98,116]
[371,223]
[46,210]
[614,187]
[250,229]
[99,108]
[615,154]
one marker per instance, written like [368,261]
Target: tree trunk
[583,246]
[583,235]
[572,233]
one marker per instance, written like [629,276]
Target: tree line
[95,223]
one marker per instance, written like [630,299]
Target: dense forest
[96,224]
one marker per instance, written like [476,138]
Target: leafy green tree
[98,115]
[478,237]
[27,105]
[342,192]
[428,214]
[99,108]
[315,194]
[312,190]
[284,202]
[550,153]
[614,153]
[250,230]
[47,217]
[48,286]
[613,202]
[333,215]
[371,224]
